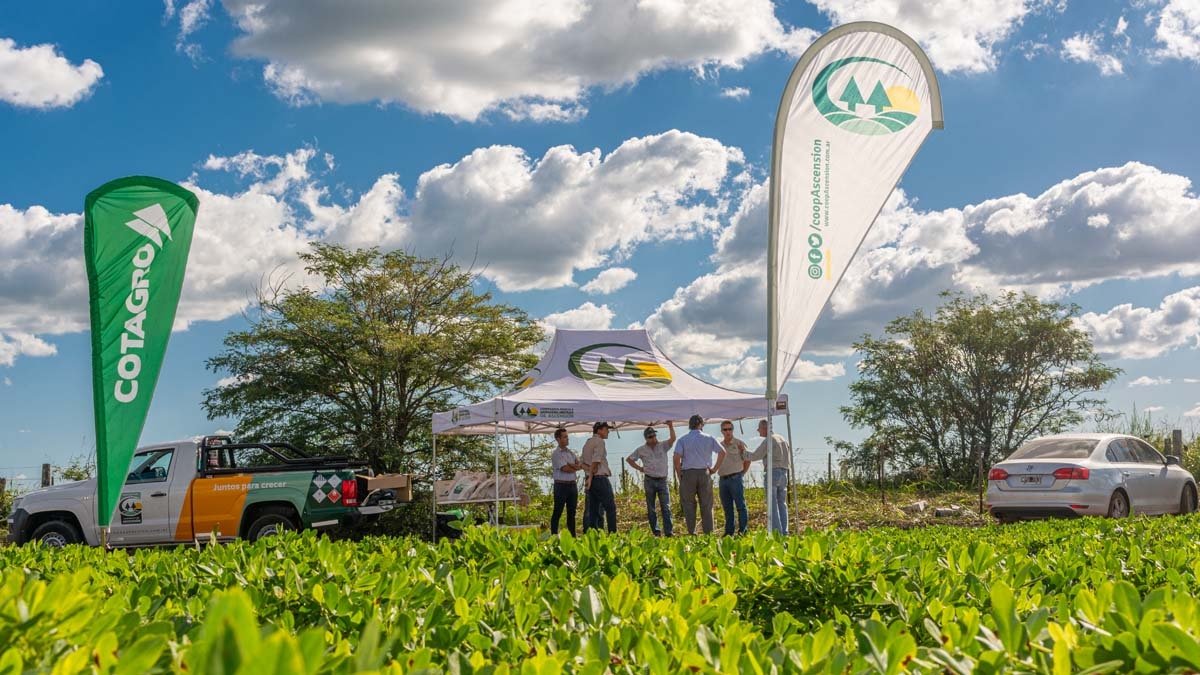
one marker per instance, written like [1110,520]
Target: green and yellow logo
[614,364]
[891,107]
[525,410]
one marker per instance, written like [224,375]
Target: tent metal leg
[769,465]
[496,446]
[433,492]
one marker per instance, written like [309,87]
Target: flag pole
[792,473]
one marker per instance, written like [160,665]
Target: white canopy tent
[586,376]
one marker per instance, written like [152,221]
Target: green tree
[962,389]
[359,363]
[80,467]
[851,96]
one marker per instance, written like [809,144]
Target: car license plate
[1031,480]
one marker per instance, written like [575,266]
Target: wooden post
[1177,442]
[882,496]
[46,480]
[982,481]
[829,468]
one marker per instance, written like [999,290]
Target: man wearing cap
[653,456]
[781,462]
[694,465]
[600,501]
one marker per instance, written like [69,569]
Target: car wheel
[269,523]
[56,534]
[1187,502]
[1118,505]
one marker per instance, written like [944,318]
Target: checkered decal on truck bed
[325,489]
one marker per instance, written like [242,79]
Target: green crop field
[1051,597]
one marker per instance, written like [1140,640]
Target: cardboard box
[401,483]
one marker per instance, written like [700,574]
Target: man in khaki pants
[694,465]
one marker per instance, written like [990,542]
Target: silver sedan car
[1088,475]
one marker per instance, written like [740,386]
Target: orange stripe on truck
[213,505]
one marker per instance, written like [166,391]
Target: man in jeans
[781,461]
[601,503]
[730,484]
[566,491]
[693,464]
[653,456]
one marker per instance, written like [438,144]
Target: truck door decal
[130,508]
[213,505]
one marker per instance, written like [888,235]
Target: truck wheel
[270,522]
[56,533]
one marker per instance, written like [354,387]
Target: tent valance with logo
[618,376]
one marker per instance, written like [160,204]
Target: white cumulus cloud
[585,317]
[1143,332]
[609,281]
[1147,381]
[192,18]
[13,345]
[535,59]
[736,93]
[1178,31]
[532,223]
[750,373]
[1085,48]
[40,77]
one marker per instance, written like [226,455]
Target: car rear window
[1055,448]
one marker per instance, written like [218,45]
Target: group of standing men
[694,463]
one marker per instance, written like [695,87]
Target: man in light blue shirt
[694,465]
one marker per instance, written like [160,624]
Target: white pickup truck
[194,489]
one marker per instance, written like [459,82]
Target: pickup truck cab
[197,489]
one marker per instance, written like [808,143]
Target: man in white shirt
[653,457]
[781,463]
[566,490]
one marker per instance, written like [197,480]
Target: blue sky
[606,160]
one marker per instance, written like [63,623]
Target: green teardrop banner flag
[136,236]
